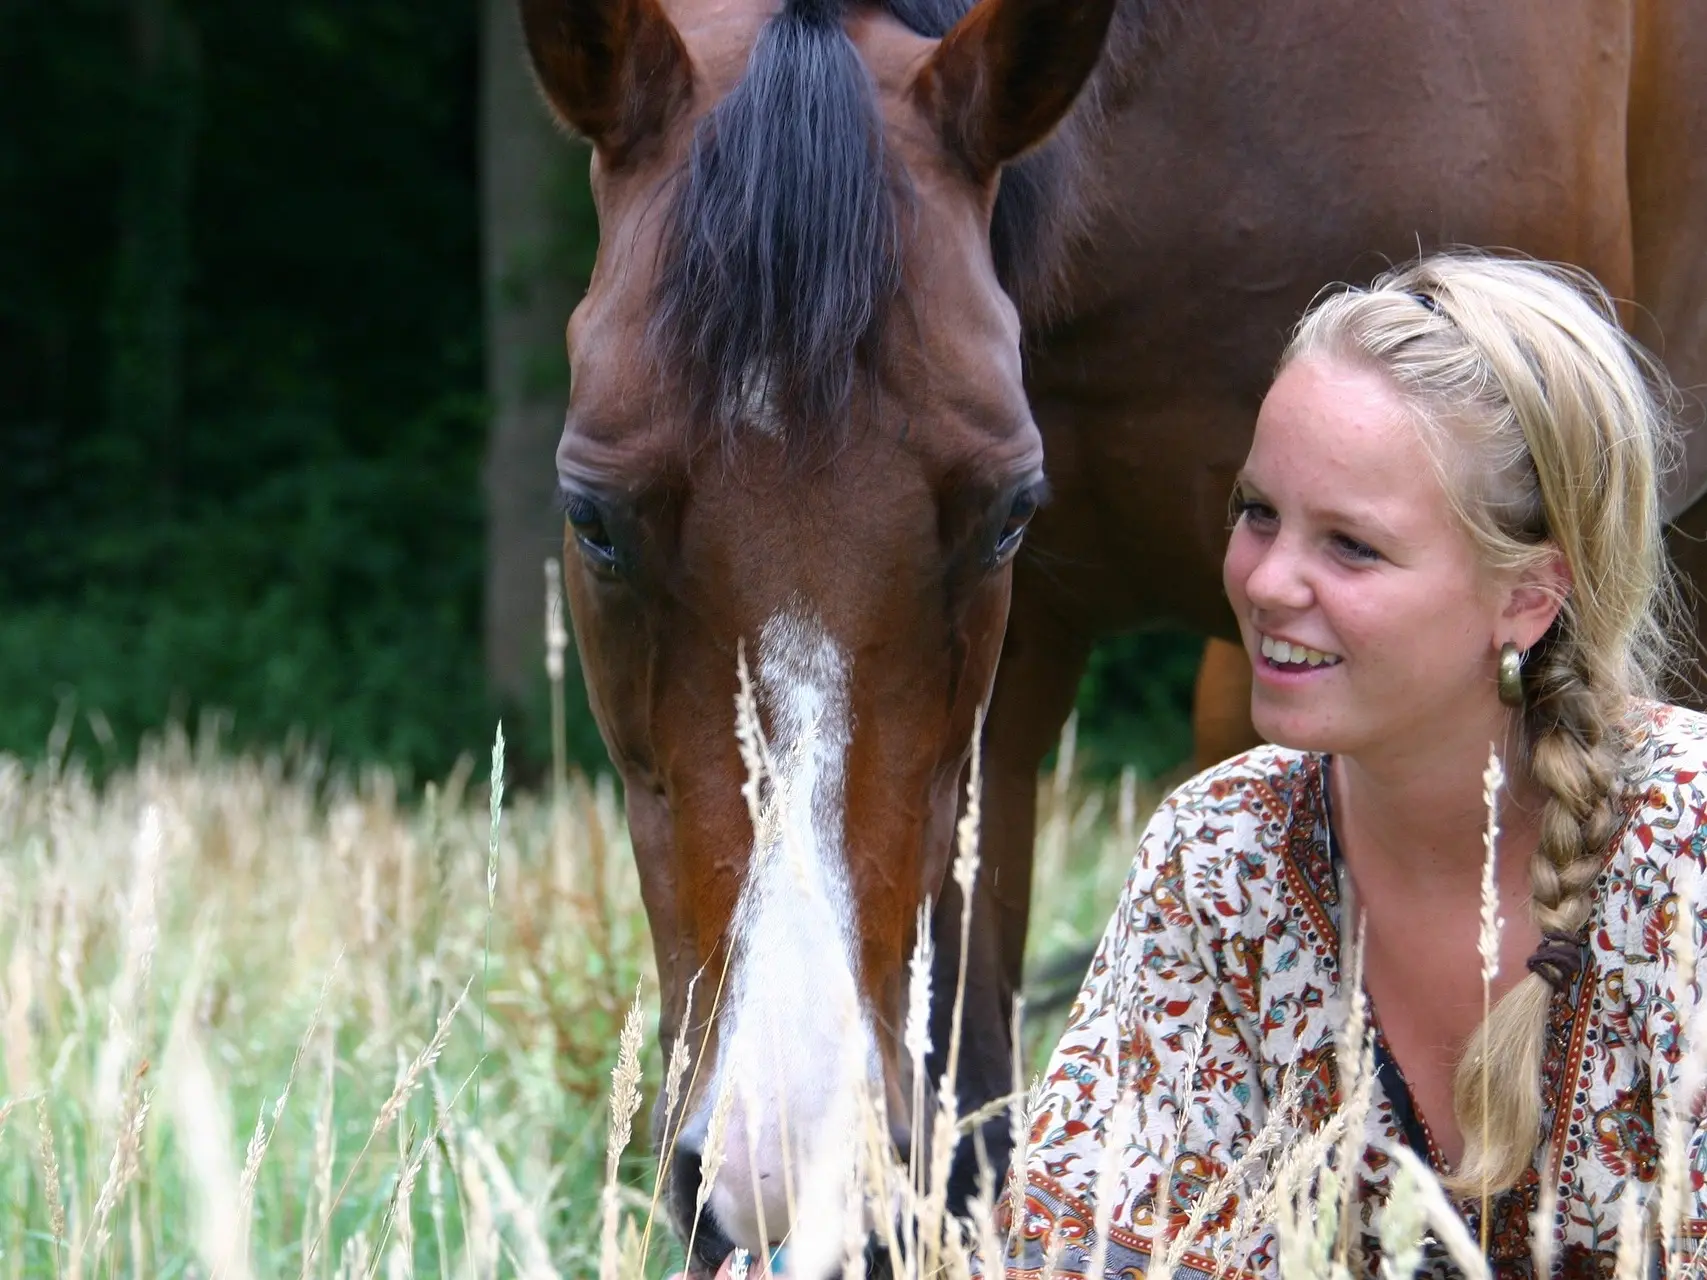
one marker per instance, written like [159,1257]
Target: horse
[924,341]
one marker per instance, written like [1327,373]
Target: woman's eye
[1352,549]
[1013,529]
[591,535]
[1251,512]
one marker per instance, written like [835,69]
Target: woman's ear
[1533,601]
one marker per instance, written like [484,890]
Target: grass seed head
[917,1037]
[423,1061]
[49,1155]
[1492,924]
[680,1057]
[1631,1263]
[496,818]
[556,634]
[625,1085]
[1543,1248]
[1443,1218]
[1403,1224]
[716,1142]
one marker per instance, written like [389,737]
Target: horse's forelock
[784,249]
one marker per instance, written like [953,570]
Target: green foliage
[241,318]
[240,340]
[1135,703]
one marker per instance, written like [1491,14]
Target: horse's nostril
[710,1244]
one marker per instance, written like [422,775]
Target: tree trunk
[536,247]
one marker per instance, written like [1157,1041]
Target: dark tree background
[281,300]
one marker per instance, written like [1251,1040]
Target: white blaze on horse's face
[755,407]
[794,1041]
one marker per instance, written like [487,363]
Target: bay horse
[923,345]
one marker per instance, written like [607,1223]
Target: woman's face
[1367,617]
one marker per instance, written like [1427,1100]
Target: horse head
[797,434]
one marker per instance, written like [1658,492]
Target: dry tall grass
[242,1006]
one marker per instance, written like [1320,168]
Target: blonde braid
[1574,754]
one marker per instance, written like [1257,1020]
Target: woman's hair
[1550,429]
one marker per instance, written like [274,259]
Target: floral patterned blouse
[1228,932]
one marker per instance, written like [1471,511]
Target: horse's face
[797,433]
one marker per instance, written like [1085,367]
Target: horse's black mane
[784,252]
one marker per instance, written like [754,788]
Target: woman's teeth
[1283,653]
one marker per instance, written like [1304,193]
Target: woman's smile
[1293,655]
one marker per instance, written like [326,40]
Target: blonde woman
[1447,535]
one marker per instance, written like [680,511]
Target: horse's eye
[1013,529]
[594,540]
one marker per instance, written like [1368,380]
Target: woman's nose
[1277,580]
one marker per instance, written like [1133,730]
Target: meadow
[261,1020]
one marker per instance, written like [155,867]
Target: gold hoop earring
[1511,675]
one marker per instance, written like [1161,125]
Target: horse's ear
[1003,78]
[615,71]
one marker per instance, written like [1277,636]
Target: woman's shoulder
[1666,789]
[1668,742]
[1246,805]
[1666,770]
[1224,852]
[1659,861]
[1264,779]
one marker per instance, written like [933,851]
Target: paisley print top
[1225,947]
